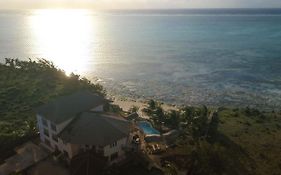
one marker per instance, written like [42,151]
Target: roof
[98,129]
[67,107]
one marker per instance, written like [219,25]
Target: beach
[127,104]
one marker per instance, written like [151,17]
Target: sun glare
[62,36]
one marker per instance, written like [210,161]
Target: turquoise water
[212,57]
[147,128]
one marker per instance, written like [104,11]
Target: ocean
[216,57]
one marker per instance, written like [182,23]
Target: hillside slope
[24,85]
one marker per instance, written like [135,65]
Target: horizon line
[192,8]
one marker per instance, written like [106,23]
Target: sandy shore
[127,104]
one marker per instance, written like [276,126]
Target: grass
[247,142]
[259,137]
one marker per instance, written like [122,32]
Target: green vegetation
[211,141]
[133,109]
[259,136]
[221,141]
[24,85]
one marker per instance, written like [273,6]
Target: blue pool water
[147,128]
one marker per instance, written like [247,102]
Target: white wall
[60,145]
[69,148]
[72,149]
[108,151]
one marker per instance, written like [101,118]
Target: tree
[212,160]
[133,109]
[187,114]
[152,104]
[204,111]
[170,169]
[213,126]
[173,119]
[25,85]
[159,112]
[10,62]
[198,126]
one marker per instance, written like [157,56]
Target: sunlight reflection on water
[62,36]
[183,59]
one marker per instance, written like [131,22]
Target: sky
[138,4]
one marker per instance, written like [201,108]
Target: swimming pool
[147,128]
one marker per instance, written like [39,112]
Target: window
[45,123]
[47,142]
[113,144]
[54,137]
[46,132]
[113,156]
[53,126]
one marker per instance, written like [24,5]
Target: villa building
[76,123]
